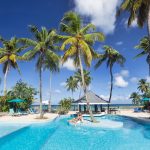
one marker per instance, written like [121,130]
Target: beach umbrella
[146,99]
[17,100]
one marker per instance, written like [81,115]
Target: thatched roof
[92,98]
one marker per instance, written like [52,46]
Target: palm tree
[43,49]
[145,47]
[87,77]
[52,66]
[72,84]
[135,98]
[111,56]
[138,9]
[9,56]
[143,86]
[78,42]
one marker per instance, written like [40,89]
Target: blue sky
[16,15]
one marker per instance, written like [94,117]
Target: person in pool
[78,119]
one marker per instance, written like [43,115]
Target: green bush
[65,105]
[4,106]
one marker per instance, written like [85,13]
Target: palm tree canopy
[111,56]
[42,46]
[143,86]
[135,98]
[144,45]
[78,38]
[10,53]
[137,9]
[72,84]
[87,77]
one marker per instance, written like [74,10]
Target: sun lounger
[12,113]
[22,112]
[31,111]
[137,110]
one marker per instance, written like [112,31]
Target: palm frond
[3,59]
[88,27]
[71,41]
[92,37]
[69,53]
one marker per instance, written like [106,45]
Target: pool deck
[142,117]
[27,119]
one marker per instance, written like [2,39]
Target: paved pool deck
[27,119]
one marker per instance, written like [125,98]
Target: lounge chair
[31,111]
[22,112]
[137,110]
[12,113]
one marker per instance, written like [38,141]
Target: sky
[16,15]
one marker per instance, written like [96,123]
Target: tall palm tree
[42,48]
[72,84]
[138,9]
[135,98]
[53,67]
[144,45]
[78,42]
[111,56]
[143,86]
[9,56]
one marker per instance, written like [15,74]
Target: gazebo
[95,102]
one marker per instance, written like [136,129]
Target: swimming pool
[59,135]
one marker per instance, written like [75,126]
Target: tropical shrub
[65,105]
[23,91]
[4,106]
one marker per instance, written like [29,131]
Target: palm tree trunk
[111,86]
[148,27]
[50,92]
[80,92]
[149,67]
[5,80]
[85,89]
[72,95]
[41,109]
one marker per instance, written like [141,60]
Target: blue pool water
[59,135]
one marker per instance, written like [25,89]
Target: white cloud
[69,65]
[101,13]
[134,79]
[116,97]
[134,23]
[63,84]
[119,43]
[120,81]
[124,73]
[57,91]
[148,79]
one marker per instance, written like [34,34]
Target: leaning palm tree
[42,48]
[135,98]
[78,42]
[111,56]
[9,56]
[72,84]
[143,86]
[138,9]
[144,45]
